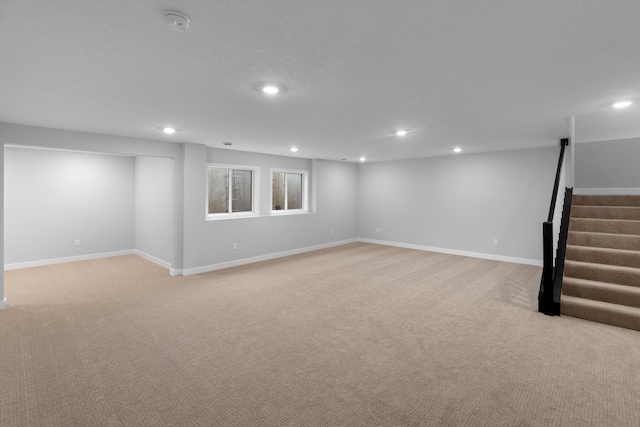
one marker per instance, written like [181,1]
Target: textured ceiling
[483,75]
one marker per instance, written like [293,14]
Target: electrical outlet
[234,246]
[152,242]
[77,242]
[330,231]
[495,242]
[378,230]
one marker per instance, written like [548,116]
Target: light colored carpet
[358,335]
[602,269]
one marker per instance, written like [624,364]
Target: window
[289,191]
[231,191]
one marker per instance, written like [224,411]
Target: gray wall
[154,208]
[461,202]
[2,297]
[210,242]
[608,164]
[53,198]
[29,136]
[456,202]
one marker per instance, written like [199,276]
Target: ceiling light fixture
[622,104]
[457,150]
[294,149]
[169,130]
[362,159]
[270,89]
[401,132]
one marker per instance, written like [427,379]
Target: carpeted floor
[357,335]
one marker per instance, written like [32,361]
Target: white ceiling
[485,75]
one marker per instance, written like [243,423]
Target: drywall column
[312,186]
[178,214]
[570,154]
[3,300]
[194,205]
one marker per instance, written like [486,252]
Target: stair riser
[626,242]
[605,200]
[605,226]
[631,299]
[601,256]
[605,212]
[602,273]
[622,320]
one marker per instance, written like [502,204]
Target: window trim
[255,193]
[305,192]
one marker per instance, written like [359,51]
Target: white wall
[53,198]
[608,165]
[29,136]
[154,209]
[457,203]
[461,203]
[208,244]
[2,297]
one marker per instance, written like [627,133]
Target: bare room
[320,213]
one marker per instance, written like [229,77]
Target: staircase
[602,266]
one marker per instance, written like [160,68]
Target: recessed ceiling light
[622,104]
[363,159]
[401,132]
[169,130]
[294,149]
[270,89]
[457,150]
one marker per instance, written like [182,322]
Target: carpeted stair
[602,267]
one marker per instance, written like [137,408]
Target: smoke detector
[176,21]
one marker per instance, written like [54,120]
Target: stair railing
[551,281]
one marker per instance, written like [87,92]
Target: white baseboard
[235,263]
[52,261]
[456,252]
[153,259]
[606,191]
[3,303]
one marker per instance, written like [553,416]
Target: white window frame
[255,192]
[305,192]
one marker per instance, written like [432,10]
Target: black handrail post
[547,267]
[547,290]
[558,271]
[552,208]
